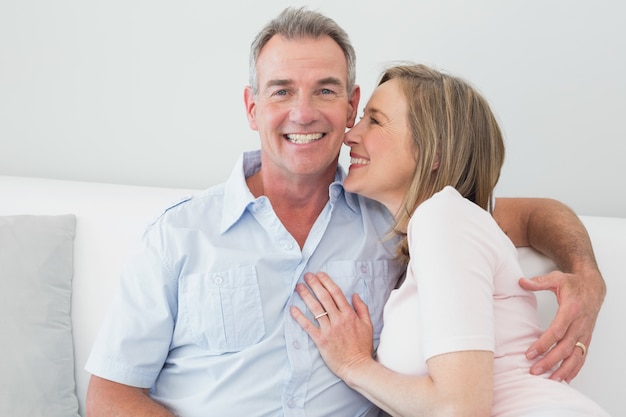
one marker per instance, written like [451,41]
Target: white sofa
[110,218]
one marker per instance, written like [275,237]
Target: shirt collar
[237,195]
[350,198]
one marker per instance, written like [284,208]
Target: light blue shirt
[202,316]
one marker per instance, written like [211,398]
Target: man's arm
[107,398]
[554,230]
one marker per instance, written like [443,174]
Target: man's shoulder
[191,206]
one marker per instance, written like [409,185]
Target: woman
[456,330]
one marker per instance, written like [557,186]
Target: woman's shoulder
[448,221]
[448,201]
[449,210]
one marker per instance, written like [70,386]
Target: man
[202,326]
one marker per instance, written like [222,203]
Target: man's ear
[250,103]
[353,106]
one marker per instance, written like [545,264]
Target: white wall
[150,92]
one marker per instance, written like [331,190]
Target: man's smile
[302,138]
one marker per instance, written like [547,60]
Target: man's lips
[302,138]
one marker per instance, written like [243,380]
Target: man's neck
[297,203]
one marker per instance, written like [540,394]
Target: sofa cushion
[37,361]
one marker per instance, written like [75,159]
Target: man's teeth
[359,161]
[304,138]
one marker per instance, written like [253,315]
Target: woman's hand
[458,383]
[344,336]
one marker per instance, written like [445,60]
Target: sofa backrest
[603,371]
[110,219]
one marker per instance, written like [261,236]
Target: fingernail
[531,354]
[536,371]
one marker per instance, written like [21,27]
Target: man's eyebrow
[284,82]
[278,82]
[331,81]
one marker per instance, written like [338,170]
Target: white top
[461,292]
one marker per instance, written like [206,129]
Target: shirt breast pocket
[372,280]
[222,311]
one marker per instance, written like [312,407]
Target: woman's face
[382,158]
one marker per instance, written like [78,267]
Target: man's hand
[555,230]
[580,297]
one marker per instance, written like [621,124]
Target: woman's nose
[352,136]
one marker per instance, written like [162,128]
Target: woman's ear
[436,161]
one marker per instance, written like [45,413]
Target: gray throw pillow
[37,354]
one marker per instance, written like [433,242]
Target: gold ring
[582,346]
[325,313]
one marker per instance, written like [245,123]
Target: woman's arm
[554,230]
[459,383]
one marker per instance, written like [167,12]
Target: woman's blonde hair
[456,139]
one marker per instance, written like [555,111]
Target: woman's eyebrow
[373,111]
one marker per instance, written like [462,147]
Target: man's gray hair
[300,23]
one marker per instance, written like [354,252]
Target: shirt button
[296,344]
[291,403]
[218,280]
[363,269]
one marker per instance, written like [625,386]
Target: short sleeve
[133,342]
[454,268]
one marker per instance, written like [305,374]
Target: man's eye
[327,91]
[374,121]
[281,93]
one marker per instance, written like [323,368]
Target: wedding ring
[325,313]
[582,346]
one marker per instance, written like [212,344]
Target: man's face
[302,107]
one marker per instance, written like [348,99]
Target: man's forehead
[287,61]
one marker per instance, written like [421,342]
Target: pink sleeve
[449,242]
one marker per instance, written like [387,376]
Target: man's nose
[303,110]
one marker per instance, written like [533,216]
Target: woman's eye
[371,120]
